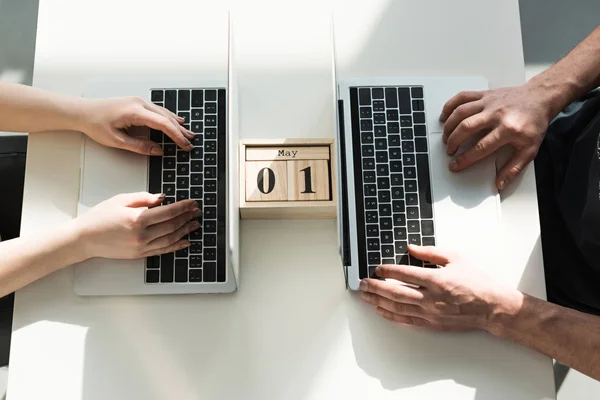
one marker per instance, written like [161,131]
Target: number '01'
[260,181]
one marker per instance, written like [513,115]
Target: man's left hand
[454,297]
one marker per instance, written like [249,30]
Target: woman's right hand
[131,226]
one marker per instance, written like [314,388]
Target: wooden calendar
[287,178]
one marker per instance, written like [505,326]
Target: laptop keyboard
[392,179]
[199,175]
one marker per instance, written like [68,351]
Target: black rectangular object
[425,201]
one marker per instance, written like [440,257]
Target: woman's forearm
[27,109]
[569,336]
[29,258]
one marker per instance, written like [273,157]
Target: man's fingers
[454,102]
[393,291]
[514,167]
[483,148]
[176,119]
[465,129]
[165,124]
[168,212]
[461,113]
[164,228]
[403,319]
[393,306]
[137,144]
[406,274]
[171,238]
[431,254]
[181,244]
[139,199]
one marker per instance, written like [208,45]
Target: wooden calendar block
[308,180]
[266,181]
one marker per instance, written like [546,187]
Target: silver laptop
[395,184]
[208,175]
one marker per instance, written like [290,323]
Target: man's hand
[116,122]
[517,116]
[455,297]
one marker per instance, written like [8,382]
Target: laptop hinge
[345,242]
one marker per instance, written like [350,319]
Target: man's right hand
[517,116]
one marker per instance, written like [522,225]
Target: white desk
[292,331]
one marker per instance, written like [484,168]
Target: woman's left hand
[123,123]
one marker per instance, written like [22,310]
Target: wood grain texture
[308,180]
[287,153]
[270,176]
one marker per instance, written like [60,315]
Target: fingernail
[502,184]
[190,146]
[195,225]
[191,133]
[156,151]
[197,212]
[180,118]
[365,296]
[453,165]
[445,139]
[184,245]
[363,285]
[162,196]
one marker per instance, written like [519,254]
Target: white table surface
[292,331]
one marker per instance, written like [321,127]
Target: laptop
[396,188]
[208,175]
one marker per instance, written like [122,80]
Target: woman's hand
[131,226]
[123,123]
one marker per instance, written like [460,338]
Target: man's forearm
[27,109]
[29,258]
[569,336]
[573,76]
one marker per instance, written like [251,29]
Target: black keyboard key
[415,262]
[368,150]
[391,99]
[210,133]
[369,177]
[169,189]
[197,153]
[393,127]
[210,120]
[156,136]
[412,199]
[428,241]
[400,234]
[183,100]
[167,267]
[221,274]
[385,210]
[413,226]
[152,275]
[198,140]
[366,125]
[386,224]
[377,93]
[408,147]
[364,97]
[156,95]
[366,137]
[407,133]
[384,196]
[424,186]
[380,144]
[197,165]
[408,159]
[410,173]
[210,271]
[170,150]
[372,217]
[181,270]
[171,100]
[371,190]
[210,173]
[197,98]
[395,153]
[169,176]
[368,163]
[210,95]
[392,115]
[197,127]
[210,254]
[396,166]
[383,170]
[398,206]
[209,212]
[381,157]
[417,92]
[387,237]
[196,180]
[373,244]
[196,235]
[394,140]
[387,251]
[196,262]
[427,227]
[210,240]
[195,275]
[419,118]
[428,265]
[373,231]
[405,120]
[183,169]
[399,219]
[183,156]
[378,105]
[196,192]
[398,193]
[365,112]
[210,186]
[383,183]
[210,199]
[421,145]
[412,212]
[396,179]
[370,203]
[401,247]
[169,200]
[420,130]
[379,118]
[196,247]
[404,101]
[210,146]
[210,107]
[210,226]
[402,259]
[153,262]
[380,131]
[197,114]
[415,239]
[154,181]
[410,185]
[182,195]
[168,162]
[373,258]
[418,105]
